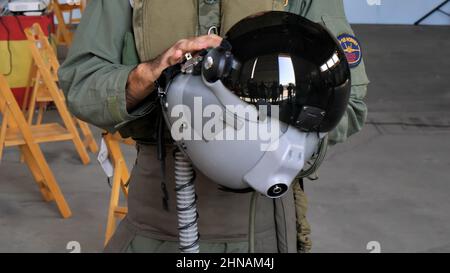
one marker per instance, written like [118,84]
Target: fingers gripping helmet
[253,110]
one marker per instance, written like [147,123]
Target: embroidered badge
[352,49]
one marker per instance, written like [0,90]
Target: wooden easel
[15,131]
[46,90]
[120,181]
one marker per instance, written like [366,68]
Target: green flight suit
[94,78]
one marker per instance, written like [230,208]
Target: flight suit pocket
[339,26]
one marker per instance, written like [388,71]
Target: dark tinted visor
[291,62]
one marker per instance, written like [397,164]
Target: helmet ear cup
[218,64]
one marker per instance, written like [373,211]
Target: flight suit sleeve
[94,76]
[356,114]
[331,13]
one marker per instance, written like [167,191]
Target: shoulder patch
[352,49]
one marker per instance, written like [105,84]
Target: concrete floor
[389,184]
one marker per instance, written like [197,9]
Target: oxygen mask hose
[186,204]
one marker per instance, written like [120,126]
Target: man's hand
[141,80]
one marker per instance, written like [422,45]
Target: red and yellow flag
[15,55]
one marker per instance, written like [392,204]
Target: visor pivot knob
[277,190]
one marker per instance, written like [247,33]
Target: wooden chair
[15,131]
[46,90]
[30,83]
[81,6]
[120,181]
[64,32]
